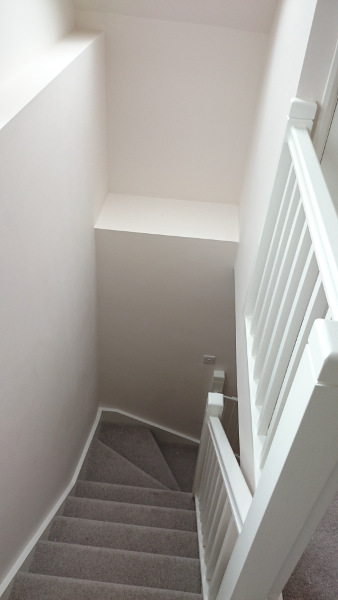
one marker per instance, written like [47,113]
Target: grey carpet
[30,586]
[134,495]
[316,575]
[138,445]
[181,459]
[117,566]
[136,514]
[122,533]
[106,465]
[123,536]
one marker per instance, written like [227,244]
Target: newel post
[299,479]
[214,408]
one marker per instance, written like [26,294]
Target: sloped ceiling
[248,15]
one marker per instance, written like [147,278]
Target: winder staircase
[127,530]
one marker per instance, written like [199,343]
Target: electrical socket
[209,359]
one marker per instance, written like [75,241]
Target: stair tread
[123,512]
[32,586]
[117,566]
[124,536]
[138,445]
[134,494]
[181,459]
[104,464]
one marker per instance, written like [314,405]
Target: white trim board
[101,412]
[129,417]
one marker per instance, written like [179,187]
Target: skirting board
[116,415]
[103,414]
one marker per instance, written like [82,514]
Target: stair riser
[118,512]
[134,495]
[138,445]
[116,566]
[42,587]
[124,537]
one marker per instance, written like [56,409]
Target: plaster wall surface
[288,45]
[181,98]
[28,27]
[50,174]
[164,302]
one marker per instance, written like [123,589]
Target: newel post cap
[323,346]
[215,404]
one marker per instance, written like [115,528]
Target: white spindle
[217,530]
[265,282]
[223,559]
[210,482]
[283,312]
[283,236]
[286,254]
[316,309]
[214,407]
[288,340]
[205,474]
[216,548]
[216,494]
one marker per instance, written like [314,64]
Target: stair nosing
[137,487]
[32,575]
[136,526]
[131,504]
[113,550]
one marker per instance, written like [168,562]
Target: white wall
[28,27]
[289,41]
[181,99]
[164,302]
[51,172]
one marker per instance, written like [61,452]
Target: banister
[237,489]
[321,216]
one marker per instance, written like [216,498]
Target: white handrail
[321,216]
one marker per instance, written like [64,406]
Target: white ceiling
[248,15]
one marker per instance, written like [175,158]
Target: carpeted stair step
[137,444]
[134,495]
[135,514]
[181,459]
[124,537]
[104,464]
[117,566]
[31,586]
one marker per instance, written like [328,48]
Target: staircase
[128,529]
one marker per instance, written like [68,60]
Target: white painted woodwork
[269,274]
[288,50]
[299,478]
[288,339]
[299,256]
[272,345]
[288,243]
[320,211]
[222,498]
[317,306]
